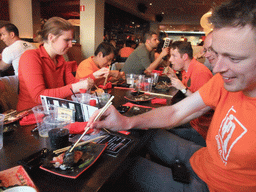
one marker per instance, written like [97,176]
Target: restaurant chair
[8,92]
[117,66]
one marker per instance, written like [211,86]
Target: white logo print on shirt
[229,127]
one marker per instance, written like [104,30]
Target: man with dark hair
[97,67]
[142,59]
[227,163]
[194,76]
[15,47]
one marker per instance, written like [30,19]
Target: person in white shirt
[15,47]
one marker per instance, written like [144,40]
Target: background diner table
[22,142]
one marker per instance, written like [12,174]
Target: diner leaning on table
[97,66]
[194,76]
[44,71]
[227,163]
[142,59]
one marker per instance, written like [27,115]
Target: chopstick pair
[95,119]
[106,79]
[157,94]
[79,144]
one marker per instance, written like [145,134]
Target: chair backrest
[9,86]
[117,66]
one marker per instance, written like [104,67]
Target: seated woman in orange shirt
[97,67]
[44,71]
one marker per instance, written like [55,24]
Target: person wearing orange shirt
[194,76]
[127,49]
[97,66]
[44,71]
[227,163]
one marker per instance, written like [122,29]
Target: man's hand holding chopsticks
[103,72]
[111,120]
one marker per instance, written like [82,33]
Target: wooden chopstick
[157,94]
[96,86]
[96,118]
[9,114]
[79,144]
[106,77]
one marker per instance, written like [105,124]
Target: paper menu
[82,112]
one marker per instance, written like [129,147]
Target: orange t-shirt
[228,162]
[86,68]
[126,51]
[196,76]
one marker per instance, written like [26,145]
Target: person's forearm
[3,65]
[154,65]
[194,115]
[170,116]
[152,119]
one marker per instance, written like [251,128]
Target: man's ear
[185,56]
[12,34]
[100,54]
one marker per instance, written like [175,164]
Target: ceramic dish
[139,98]
[21,189]
[12,116]
[77,169]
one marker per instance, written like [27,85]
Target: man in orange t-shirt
[227,163]
[194,76]
[97,67]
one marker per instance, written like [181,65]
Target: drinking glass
[130,79]
[148,81]
[1,130]
[40,112]
[139,82]
[155,77]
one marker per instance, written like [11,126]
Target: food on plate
[162,85]
[99,91]
[166,70]
[81,156]
[141,97]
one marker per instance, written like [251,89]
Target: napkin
[82,90]
[107,86]
[28,120]
[78,128]
[159,101]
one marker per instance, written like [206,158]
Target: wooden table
[22,143]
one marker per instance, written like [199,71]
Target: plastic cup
[103,99]
[1,131]
[148,84]
[82,98]
[130,79]
[155,77]
[59,138]
[139,82]
[40,112]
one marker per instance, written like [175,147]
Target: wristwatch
[184,91]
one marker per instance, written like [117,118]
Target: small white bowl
[21,189]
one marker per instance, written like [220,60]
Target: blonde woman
[44,71]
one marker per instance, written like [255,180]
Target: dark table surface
[22,142]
